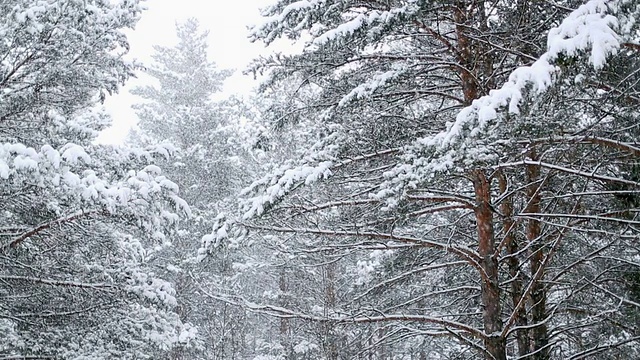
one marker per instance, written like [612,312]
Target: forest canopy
[425,180]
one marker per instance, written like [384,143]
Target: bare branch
[566,170]
[96,286]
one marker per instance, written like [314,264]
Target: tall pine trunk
[539,335]
[494,343]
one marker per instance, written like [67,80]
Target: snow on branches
[63,169]
[468,140]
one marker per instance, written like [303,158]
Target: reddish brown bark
[494,343]
[632,46]
[465,53]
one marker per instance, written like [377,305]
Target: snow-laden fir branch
[294,15]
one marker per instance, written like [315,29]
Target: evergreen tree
[210,166]
[467,158]
[80,224]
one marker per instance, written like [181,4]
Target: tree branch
[18,240]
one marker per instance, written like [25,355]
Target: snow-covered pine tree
[80,224]
[471,153]
[180,109]
[209,167]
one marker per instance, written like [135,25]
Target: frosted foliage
[146,326]
[304,347]
[291,14]
[214,239]
[272,187]
[153,289]
[11,336]
[365,90]
[277,20]
[182,106]
[178,108]
[62,169]
[315,166]
[279,185]
[458,202]
[590,29]
[373,20]
[81,225]
[74,174]
[62,49]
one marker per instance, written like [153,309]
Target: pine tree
[80,224]
[464,164]
[210,166]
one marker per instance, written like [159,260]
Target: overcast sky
[229,47]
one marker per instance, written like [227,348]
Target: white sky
[229,48]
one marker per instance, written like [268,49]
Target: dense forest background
[426,180]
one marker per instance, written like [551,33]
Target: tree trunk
[539,336]
[515,276]
[330,304]
[495,344]
[284,323]
[465,53]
